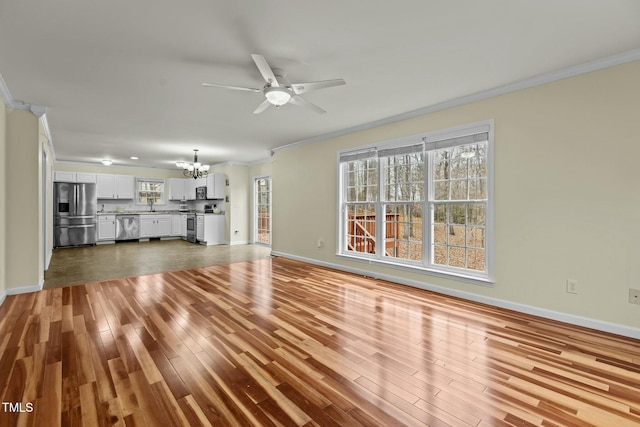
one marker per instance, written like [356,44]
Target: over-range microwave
[201,193]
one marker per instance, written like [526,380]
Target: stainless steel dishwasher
[127,227]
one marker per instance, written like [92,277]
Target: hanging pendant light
[194,170]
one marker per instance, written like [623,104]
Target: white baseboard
[240,242]
[24,289]
[587,322]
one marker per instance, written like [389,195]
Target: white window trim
[482,278]
[137,191]
[255,210]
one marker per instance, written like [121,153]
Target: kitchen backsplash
[129,205]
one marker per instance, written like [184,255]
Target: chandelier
[194,170]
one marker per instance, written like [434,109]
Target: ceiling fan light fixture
[278,96]
[107,162]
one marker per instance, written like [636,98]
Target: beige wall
[237,209]
[3,192]
[567,203]
[23,239]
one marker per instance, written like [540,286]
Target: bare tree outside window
[422,205]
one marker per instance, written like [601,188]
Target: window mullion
[380,242]
[427,210]
[454,239]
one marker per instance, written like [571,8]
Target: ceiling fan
[276,89]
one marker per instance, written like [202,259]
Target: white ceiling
[123,78]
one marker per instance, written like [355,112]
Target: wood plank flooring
[276,342]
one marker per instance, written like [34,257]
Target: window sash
[147,188]
[474,189]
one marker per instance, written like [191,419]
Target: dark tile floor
[103,262]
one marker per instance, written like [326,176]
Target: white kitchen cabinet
[183,225]
[106,188]
[175,225]
[147,226]
[124,187]
[106,227]
[210,229]
[200,228]
[86,177]
[155,226]
[177,187]
[63,176]
[114,186]
[163,225]
[190,189]
[215,185]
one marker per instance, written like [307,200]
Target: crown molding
[6,95]
[37,110]
[8,98]
[599,64]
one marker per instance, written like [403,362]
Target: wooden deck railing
[361,232]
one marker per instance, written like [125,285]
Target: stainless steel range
[191,228]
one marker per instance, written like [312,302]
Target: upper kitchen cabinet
[63,176]
[184,188]
[177,189]
[114,186]
[190,189]
[215,185]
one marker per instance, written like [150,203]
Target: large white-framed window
[150,191]
[423,202]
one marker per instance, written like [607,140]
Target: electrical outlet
[572,286]
[634,296]
[319,243]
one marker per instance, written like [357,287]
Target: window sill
[454,275]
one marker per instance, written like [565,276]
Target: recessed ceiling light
[133,158]
[107,162]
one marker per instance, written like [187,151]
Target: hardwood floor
[276,342]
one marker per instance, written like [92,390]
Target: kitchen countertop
[157,213]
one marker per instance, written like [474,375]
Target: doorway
[262,210]
[44,190]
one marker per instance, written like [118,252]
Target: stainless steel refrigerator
[74,214]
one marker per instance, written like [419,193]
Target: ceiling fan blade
[250,89]
[265,104]
[265,69]
[298,100]
[299,88]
